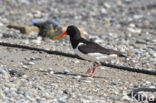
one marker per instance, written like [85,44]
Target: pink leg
[96,64]
[94,67]
[91,68]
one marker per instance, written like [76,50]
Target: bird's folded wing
[91,47]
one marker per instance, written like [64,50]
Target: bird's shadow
[72,74]
[75,56]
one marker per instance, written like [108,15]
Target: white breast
[93,56]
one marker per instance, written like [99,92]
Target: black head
[73,31]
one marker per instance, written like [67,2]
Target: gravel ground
[51,75]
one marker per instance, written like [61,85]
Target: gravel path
[29,76]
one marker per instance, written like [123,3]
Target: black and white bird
[89,50]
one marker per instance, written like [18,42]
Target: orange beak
[59,36]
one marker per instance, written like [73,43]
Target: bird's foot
[89,70]
[92,75]
[96,64]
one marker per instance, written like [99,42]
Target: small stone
[103,10]
[17,73]
[34,59]
[59,77]
[137,16]
[130,53]
[33,33]
[132,25]
[90,78]
[116,92]
[77,77]
[36,77]
[113,83]
[44,94]
[26,42]
[129,1]
[66,71]
[102,67]
[1,35]
[153,53]
[37,14]
[37,41]
[147,82]
[114,98]
[76,61]
[51,69]
[87,81]
[140,41]
[51,72]
[97,40]
[2,71]
[40,101]
[25,67]
[27,94]
[31,63]
[21,101]
[21,90]
[113,61]
[25,76]
[1,24]
[134,30]
[107,5]
[66,91]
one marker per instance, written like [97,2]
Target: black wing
[91,47]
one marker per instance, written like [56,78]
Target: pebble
[37,14]
[113,83]
[66,71]
[132,25]
[87,81]
[37,41]
[146,83]
[26,42]
[76,61]
[41,101]
[31,63]
[51,72]
[140,41]
[97,40]
[17,73]
[153,53]
[103,10]
[77,77]
[102,67]
[1,35]
[25,67]
[66,91]
[107,5]
[2,71]
[22,101]
[134,30]
[130,53]
[36,78]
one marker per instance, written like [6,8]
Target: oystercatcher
[88,50]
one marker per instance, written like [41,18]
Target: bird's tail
[117,53]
